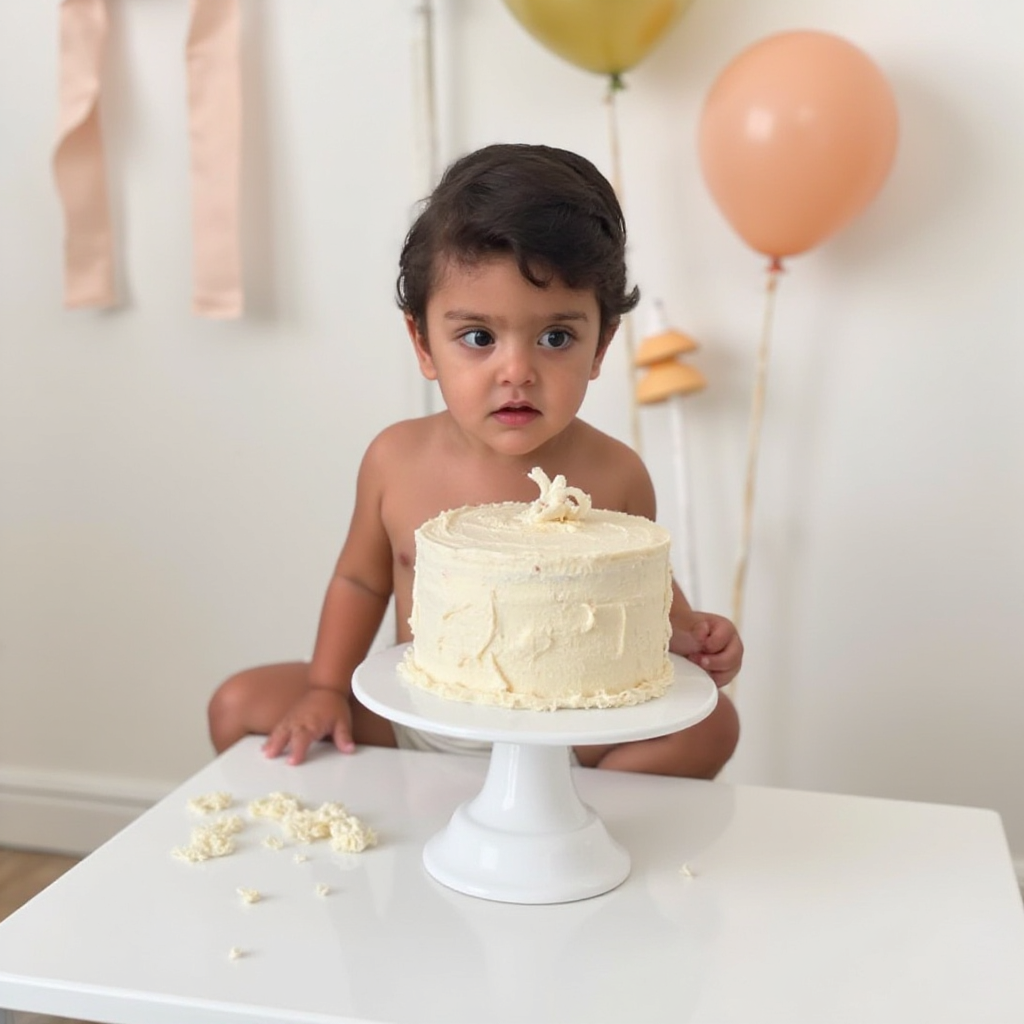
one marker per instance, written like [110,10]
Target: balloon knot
[775,265]
[616,83]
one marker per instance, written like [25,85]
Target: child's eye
[555,339]
[476,339]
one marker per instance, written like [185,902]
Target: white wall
[174,490]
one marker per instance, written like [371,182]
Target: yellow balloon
[604,36]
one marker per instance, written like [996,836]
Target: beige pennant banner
[78,162]
[213,59]
[215,140]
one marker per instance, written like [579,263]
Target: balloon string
[754,440]
[615,86]
[688,561]
[425,97]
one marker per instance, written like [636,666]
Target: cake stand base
[526,837]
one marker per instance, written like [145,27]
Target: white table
[801,907]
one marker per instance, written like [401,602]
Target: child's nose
[517,366]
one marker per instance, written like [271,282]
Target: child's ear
[421,347]
[602,348]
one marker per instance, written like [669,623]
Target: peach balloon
[797,136]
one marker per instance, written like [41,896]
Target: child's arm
[354,606]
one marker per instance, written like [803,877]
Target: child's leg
[699,752]
[255,700]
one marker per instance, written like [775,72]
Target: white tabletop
[797,907]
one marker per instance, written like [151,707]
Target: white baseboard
[64,813]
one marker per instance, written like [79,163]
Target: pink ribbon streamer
[215,134]
[215,117]
[78,162]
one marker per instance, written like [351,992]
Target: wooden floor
[22,875]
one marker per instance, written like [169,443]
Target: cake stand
[526,837]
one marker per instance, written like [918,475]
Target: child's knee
[718,735]
[227,707]
[704,749]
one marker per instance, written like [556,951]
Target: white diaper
[414,739]
[408,738]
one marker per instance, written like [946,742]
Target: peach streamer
[215,134]
[215,117]
[78,161]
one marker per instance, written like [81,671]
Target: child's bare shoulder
[619,459]
[401,459]
[614,472]
[402,442]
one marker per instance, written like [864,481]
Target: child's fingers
[719,636]
[731,653]
[276,742]
[690,641]
[299,744]
[343,738]
[296,739]
[684,643]
[724,665]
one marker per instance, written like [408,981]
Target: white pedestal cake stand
[526,837]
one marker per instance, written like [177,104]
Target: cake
[547,605]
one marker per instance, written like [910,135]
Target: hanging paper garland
[215,147]
[215,116]
[78,162]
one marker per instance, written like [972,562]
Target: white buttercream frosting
[557,501]
[544,605]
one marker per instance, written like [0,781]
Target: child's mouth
[516,415]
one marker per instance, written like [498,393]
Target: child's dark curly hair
[552,211]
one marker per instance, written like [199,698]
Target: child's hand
[710,641]
[318,714]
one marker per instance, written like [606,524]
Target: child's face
[513,361]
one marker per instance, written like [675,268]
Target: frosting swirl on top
[557,502]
